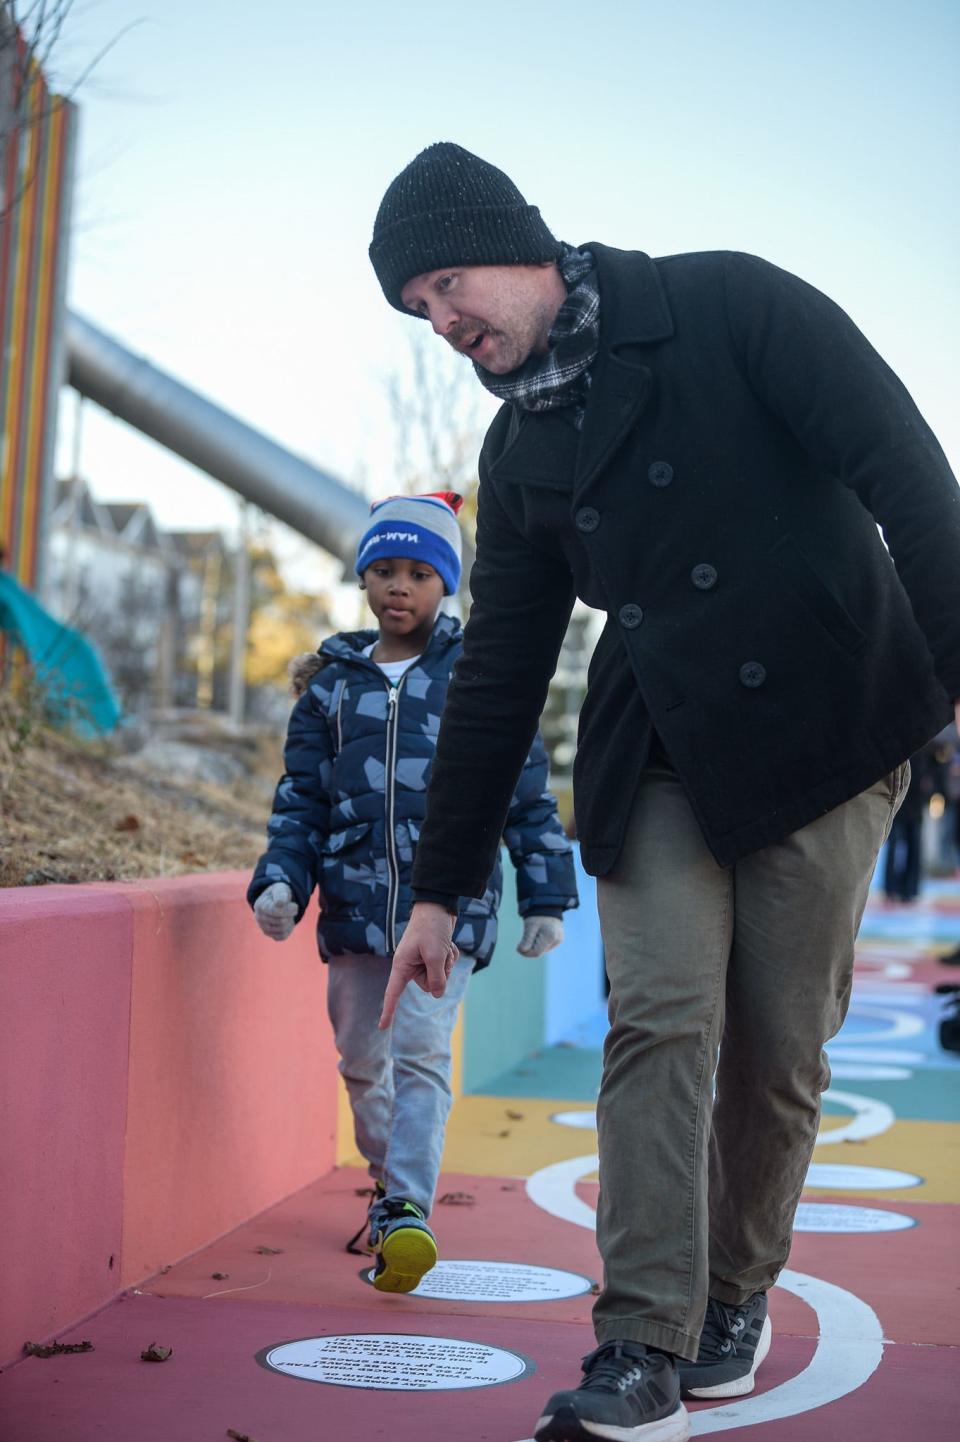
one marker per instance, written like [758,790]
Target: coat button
[587,519]
[630,617]
[752,674]
[704,577]
[660,473]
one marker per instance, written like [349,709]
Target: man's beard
[508,349]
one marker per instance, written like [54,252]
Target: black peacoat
[742,443]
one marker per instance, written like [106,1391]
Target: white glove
[276,911]
[540,934]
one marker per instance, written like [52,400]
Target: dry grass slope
[72,811]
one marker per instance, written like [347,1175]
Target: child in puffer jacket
[346,817]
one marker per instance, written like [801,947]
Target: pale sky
[233,156]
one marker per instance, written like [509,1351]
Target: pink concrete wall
[65,957]
[165,1073]
[232,1100]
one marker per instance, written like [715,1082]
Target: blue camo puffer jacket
[347,813]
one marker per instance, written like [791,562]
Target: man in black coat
[704,447]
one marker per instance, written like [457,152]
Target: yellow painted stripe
[39,390]
[456,1052]
[25,223]
[927,1149]
[346,1153]
[512,1136]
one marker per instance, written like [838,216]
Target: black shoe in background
[629,1393]
[734,1341]
[376,1193]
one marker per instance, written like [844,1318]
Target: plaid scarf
[562,376]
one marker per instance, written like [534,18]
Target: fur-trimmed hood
[302,670]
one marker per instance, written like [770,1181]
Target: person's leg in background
[421,1059]
[400,1093]
[421,1040]
[355,987]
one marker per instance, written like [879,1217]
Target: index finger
[391,997]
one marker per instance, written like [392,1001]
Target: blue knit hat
[418,528]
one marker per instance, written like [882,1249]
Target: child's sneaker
[403,1244]
[379,1191]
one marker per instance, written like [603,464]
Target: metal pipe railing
[310,500]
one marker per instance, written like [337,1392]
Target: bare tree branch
[438,426]
[29,35]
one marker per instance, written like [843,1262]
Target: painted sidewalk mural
[277,1334]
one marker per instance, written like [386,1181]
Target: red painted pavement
[311,1229]
[305,1286]
[213,1382]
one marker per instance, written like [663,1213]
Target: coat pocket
[338,842]
[351,875]
[818,599]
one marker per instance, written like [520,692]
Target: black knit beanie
[449,207]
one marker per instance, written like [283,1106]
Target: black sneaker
[629,1394]
[733,1343]
[376,1194]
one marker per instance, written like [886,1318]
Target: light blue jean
[398,1080]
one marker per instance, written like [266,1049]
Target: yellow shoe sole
[407,1254]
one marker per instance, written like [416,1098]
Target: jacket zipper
[393,864]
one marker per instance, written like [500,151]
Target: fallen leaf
[220,1276]
[510,1187]
[55,1349]
[166,1269]
[595,1290]
[269,1251]
[457,1199]
[514,1116]
[240,1436]
[127,823]
[156,1353]
[504,1133]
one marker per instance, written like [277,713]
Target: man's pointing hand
[425,955]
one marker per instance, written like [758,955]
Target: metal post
[241,619]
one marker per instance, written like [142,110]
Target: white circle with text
[498,1282]
[395,1362]
[835,1176]
[837,1217]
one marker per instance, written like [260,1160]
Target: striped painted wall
[37,137]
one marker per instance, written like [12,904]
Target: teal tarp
[68,668]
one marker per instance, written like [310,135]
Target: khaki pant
[698,1190]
